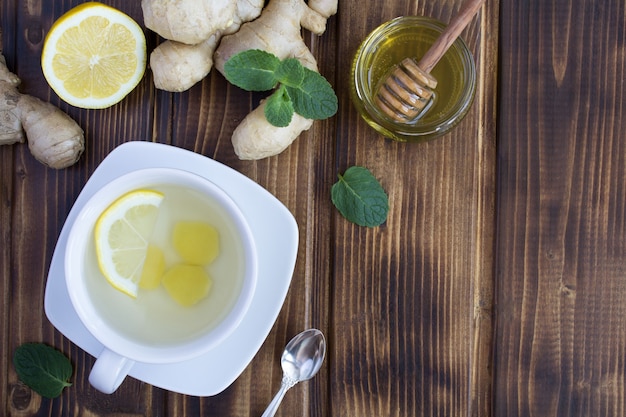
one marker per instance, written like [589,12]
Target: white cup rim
[75,254]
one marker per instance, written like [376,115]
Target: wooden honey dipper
[409,87]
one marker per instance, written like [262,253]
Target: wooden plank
[7,46]
[41,200]
[562,219]
[412,298]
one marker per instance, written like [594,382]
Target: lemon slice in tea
[122,234]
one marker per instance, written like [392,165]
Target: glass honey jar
[388,45]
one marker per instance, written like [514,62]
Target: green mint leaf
[252,70]
[315,98]
[360,198]
[278,108]
[43,368]
[290,72]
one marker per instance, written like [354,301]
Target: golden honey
[388,45]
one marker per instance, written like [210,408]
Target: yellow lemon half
[94,55]
[122,234]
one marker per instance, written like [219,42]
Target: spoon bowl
[301,360]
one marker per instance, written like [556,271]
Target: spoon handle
[285,384]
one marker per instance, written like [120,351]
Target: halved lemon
[94,55]
[122,234]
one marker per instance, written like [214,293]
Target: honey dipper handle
[449,35]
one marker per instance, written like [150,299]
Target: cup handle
[109,371]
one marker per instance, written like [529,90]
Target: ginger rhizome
[191,52]
[277,31]
[53,137]
[193,29]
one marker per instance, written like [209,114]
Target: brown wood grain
[496,286]
[562,175]
[411,296]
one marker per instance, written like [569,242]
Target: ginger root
[193,30]
[177,66]
[53,137]
[277,31]
[256,138]
[188,21]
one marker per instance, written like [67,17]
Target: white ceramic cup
[120,351]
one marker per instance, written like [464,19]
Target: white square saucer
[276,236]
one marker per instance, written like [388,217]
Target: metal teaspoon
[301,359]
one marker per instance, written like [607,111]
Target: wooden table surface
[497,286]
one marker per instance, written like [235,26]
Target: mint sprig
[360,198]
[43,368]
[297,88]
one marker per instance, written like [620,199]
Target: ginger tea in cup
[163,322]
